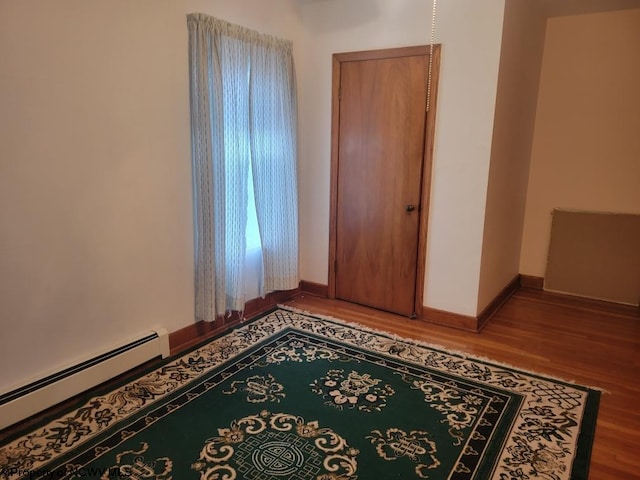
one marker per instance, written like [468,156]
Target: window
[243,122]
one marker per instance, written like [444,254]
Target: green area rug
[295,396]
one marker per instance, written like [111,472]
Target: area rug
[297,396]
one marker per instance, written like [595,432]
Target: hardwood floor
[588,342]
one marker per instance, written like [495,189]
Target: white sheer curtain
[243,116]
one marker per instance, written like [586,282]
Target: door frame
[427,159]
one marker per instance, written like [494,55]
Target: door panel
[380,160]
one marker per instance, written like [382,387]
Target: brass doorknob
[410,208]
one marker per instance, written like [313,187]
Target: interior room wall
[586,144]
[519,76]
[96,239]
[470,33]
[275,17]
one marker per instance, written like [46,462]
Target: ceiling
[558,8]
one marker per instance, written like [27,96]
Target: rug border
[584,446]
[443,349]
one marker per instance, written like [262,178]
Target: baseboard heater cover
[38,395]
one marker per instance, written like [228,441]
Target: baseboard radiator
[40,394]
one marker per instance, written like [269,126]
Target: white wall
[95,171]
[95,178]
[520,63]
[273,17]
[470,33]
[586,146]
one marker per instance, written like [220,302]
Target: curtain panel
[243,116]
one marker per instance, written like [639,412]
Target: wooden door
[379,179]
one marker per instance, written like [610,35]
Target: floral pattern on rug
[131,464]
[459,409]
[415,445]
[298,351]
[258,388]
[355,390]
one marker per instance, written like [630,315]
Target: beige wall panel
[586,146]
[595,255]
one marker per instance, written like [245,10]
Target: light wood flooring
[592,343]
